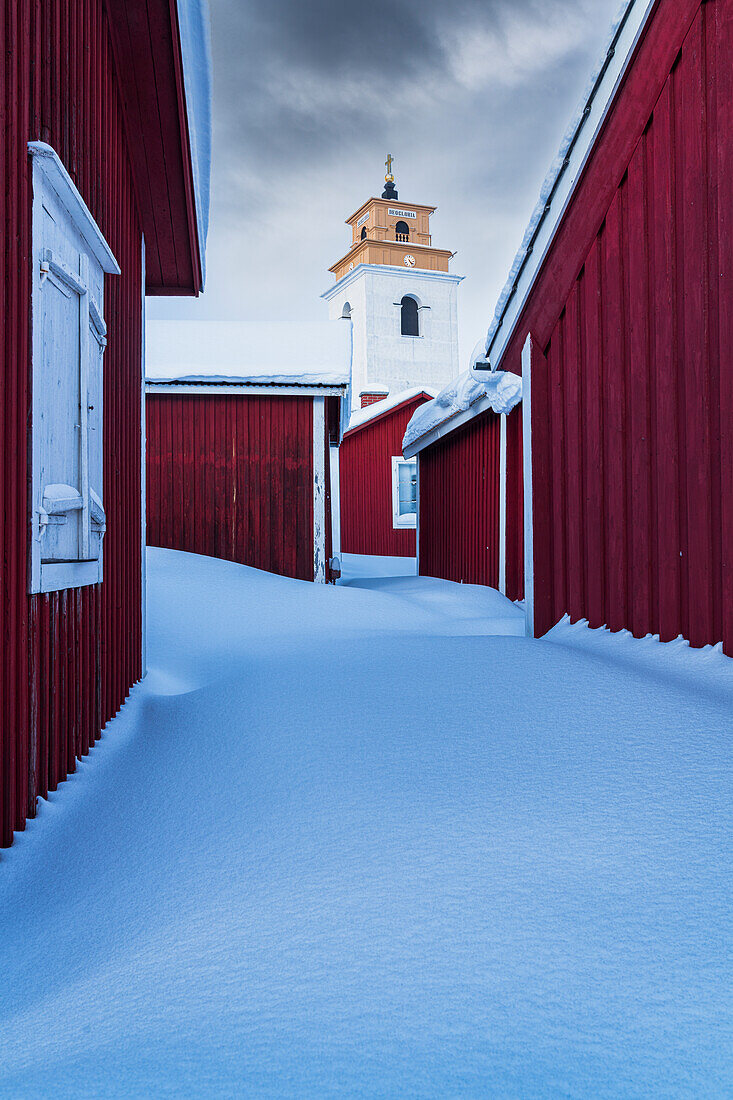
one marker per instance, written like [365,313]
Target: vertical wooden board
[713,331]
[615,355]
[638,423]
[664,358]
[692,211]
[722,150]
[594,501]
[572,368]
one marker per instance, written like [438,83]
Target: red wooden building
[241,469]
[103,201]
[378,505]
[239,458]
[618,315]
[459,442]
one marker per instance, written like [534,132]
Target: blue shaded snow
[334,847]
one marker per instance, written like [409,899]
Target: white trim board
[47,161]
[319,490]
[528,509]
[592,118]
[143,482]
[252,391]
[335,469]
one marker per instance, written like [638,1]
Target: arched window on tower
[346,311]
[363,233]
[409,317]
[402,231]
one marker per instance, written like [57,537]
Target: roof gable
[147,46]
[365,418]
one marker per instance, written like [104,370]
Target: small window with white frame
[70,258]
[404,493]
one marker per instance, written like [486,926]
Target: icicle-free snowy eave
[565,172]
[194,23]
[461,400]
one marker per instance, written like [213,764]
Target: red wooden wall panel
[366,485]
[459,504]
[231,476]
[631,427]
[69,658]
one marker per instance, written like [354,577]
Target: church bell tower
[399,295]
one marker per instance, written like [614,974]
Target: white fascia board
[454,422]
[319,490]
[47,161]
[251,391]
[389,270]
[592,119]
[528,501]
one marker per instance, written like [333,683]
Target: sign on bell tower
[399,295]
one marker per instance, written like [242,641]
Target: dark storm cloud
[472,97]
[298,79]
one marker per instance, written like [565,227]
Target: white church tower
[396,291]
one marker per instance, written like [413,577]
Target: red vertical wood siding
[366,485]
[69,658]
[631,417]
[459,504]
[231,476]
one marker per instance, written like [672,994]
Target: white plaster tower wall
[382,356]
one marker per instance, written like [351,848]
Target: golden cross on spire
[388,165]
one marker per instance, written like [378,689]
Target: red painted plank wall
[632,397]
[459,504]
[366,485]
[69,658]
[231,476]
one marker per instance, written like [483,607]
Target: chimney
[371,396]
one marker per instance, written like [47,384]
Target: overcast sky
[470,96]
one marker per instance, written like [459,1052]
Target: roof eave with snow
[312,385]
[363,417]
[565,174]
[457,404]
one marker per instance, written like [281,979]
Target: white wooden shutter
[69,337]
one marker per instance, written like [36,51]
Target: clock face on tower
[409,261]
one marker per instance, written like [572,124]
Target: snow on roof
[194,25]
[501,392]
[379,408]
[566,170]
[328,380]
[315,353]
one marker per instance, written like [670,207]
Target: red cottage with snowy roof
[618,316]
[239,456]
[378,504]
[459,442]
[105,175]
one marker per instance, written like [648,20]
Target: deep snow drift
[339,845]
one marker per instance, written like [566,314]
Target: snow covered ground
[344,841]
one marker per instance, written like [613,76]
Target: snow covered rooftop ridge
[500,393]
[379,408]
[566,170]
[248,350]
[309,381]
[194,24]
